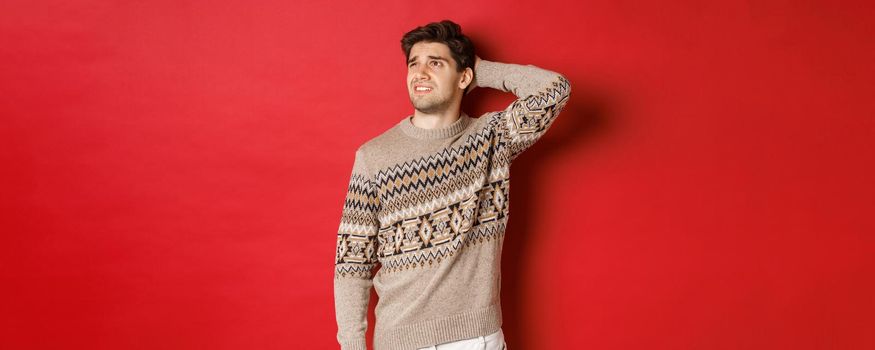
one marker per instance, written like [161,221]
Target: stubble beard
[429,106]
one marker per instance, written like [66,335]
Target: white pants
[494,341]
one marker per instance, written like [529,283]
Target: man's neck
[435,120]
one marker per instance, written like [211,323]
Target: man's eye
[436,63]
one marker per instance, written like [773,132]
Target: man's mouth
[421,90]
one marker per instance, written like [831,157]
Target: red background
[174,171]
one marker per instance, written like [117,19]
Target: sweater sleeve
[356,257]
[541,95]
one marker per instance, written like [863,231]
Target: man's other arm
[541,95]
[356,257]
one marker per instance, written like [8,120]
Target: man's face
[431,66]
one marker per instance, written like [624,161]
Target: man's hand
[474,80]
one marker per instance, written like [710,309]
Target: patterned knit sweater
[429,207]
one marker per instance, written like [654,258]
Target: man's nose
[420,71]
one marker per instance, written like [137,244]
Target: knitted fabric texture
[425,213]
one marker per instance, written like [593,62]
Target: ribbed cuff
[359,344]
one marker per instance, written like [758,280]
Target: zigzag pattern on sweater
[437,169]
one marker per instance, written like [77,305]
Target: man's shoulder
[387,136]
[375,149]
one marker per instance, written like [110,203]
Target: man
[428,200]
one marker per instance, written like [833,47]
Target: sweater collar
[451,130]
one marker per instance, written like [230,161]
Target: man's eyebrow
[434,57]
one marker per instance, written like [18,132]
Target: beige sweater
[429,207]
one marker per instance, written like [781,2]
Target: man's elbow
[561,89]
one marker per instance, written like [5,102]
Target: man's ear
[467,79]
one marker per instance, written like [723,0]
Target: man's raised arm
[541,95]
[356,257]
